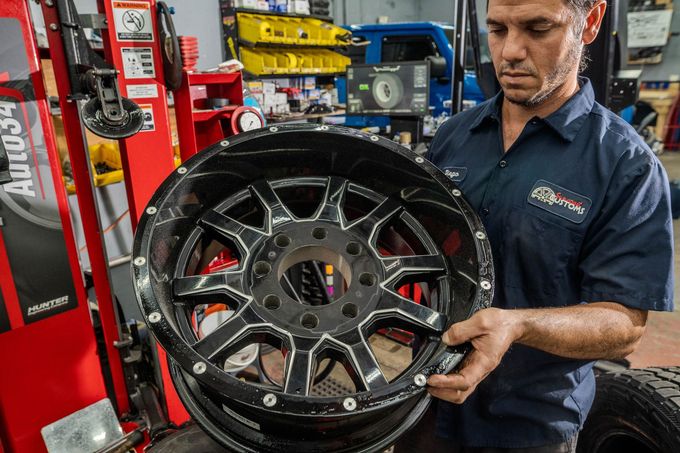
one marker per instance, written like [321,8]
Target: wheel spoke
[331,206]
[396,306]
[227,337]
[368,225]
[362,362]
[277,211]
[243,235]
[397,267]
[201,287]
[300,370]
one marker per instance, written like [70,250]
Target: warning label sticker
[138,62]
[142,91]
[149,124]
[133,21]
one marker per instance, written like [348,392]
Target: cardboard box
[281,98]
[268,88]
[250,4]
[298,6]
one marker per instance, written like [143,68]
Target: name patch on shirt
[560,201]
[456,174]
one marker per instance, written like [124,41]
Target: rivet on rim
[140,261]
[274,129]
[456,193]
[181,170]
[324,128]
[480,235]
[349,404]
[375,138]
[224,143]
[420,380]
[199,368]
[151,210]
[154,317]
[420,160]
[486,284]
[269,400]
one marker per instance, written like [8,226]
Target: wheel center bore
[304,300]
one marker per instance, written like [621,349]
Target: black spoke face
[267,302]
[285,283]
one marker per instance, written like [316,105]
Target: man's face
[534,47]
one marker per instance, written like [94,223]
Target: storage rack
[283,55]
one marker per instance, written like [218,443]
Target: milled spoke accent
[200,287]
[363,362]
[277,211]
[243,235]
[225,339]
[397,306]
[369,225]
[331,206]
[397,267]
[300,369]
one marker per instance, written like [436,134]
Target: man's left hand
[491,332]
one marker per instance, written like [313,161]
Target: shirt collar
[565,121]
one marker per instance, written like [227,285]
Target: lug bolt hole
[262,268]
[350,310]
[367,279]
[309,320]
[319,233]
[272,302]
[282,241]
[354,248]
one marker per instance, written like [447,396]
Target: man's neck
[519,114]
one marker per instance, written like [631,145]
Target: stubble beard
[555,79]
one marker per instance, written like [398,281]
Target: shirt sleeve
[627,256]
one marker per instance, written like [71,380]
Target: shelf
[299,117]
[210,78]
[275,45]
[249,75]
[275,13]
[207,115]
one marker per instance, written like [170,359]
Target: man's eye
[539,31]
[496,30]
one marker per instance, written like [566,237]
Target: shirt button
[502,164]
[485,211]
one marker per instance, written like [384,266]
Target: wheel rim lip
[165,331]
[205,418]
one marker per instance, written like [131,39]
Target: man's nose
[514,47]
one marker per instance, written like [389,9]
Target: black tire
[635,411]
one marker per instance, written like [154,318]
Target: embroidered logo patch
[560,201]
[456,174]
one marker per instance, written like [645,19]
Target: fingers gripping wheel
[132,119]
[170,52]
[393,242]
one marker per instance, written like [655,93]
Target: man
[577,211]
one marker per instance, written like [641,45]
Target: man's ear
[593,22]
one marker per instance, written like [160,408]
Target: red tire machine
[53,361]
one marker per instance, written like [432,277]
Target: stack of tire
[635,411]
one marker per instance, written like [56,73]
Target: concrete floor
[661,343]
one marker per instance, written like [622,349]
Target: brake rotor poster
[133,21]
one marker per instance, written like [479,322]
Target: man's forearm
[601,330]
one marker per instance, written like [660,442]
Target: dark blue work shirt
[577,211]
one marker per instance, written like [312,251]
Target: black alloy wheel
[382,217]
